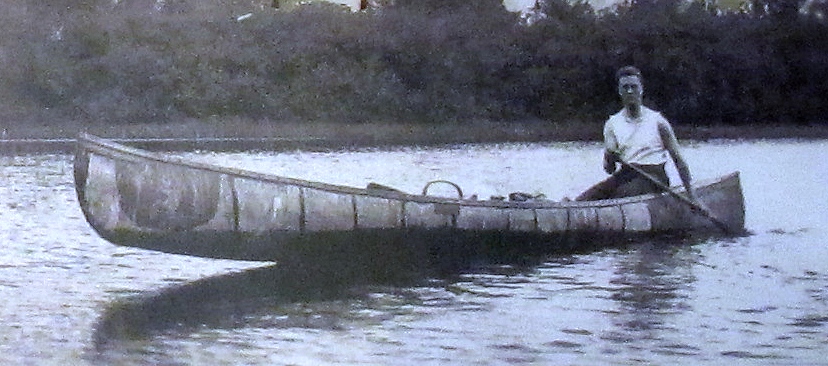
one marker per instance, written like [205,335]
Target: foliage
[429,61]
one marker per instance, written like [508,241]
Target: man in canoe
[638,139]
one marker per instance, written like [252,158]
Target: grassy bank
[330,134]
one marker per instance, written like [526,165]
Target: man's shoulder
[618,116]
[650,111]
[653,115]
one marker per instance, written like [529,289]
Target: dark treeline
[427,61]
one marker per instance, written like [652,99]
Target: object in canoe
[149,200]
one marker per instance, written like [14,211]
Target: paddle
[695,206]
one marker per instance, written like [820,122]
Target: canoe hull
[140,199]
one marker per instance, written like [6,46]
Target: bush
[428,61]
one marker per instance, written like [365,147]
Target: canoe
[155,201]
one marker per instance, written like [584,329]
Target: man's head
[630,86]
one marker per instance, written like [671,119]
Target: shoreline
[245,135]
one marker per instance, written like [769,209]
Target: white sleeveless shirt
[637,140]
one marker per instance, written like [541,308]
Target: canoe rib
[155,201]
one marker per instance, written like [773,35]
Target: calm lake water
[71,298]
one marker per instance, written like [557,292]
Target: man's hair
[628,71]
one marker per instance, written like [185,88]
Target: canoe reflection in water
[650,285]
[328,287]
[322,273]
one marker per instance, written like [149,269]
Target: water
[71,298]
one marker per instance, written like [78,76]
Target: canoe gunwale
[114,150]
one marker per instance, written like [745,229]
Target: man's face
[630,89]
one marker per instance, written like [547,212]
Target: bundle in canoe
[155,201]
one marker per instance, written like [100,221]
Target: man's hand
[697,205]
[610,160]
[691,194]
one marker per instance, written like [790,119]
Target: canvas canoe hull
[148,200]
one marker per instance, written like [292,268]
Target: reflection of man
[639,136]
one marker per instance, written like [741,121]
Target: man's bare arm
[668,137]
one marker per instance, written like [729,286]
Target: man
[641,137]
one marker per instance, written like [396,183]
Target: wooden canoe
[149,200]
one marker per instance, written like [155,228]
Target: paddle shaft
[697,207]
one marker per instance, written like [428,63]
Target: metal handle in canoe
[457,187]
